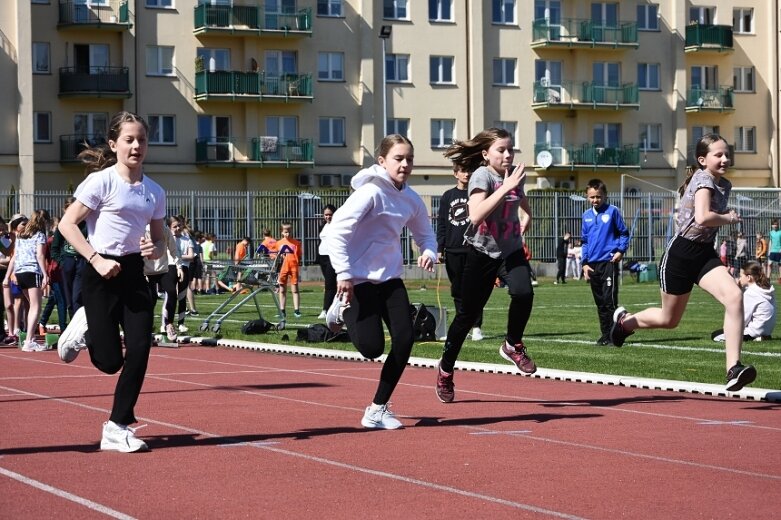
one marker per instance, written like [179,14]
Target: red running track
[242,434]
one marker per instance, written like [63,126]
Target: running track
[242,434]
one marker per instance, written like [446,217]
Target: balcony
[72,145]
[591,156]
[237,86]
[702,100]
[100,82]
[250,20]
[572,95]
[262,151]
[708,38]
[113,16]
[585,34]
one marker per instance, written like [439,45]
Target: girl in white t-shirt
[118,201]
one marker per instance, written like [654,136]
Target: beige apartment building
[273,94]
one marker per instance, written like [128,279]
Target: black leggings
[329,275]
[121,301]
[478,282]
[373,304]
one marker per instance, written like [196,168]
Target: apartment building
[273,94]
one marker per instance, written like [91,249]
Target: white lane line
[89,504]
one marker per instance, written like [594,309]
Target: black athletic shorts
[28,280]
[684,264]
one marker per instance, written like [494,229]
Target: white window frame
[398,126]
[650,137]
[330,66]
[159,4]
[648,85]
[499,76]
[701,14]
[602,133]
[158,53]
[397,68]
[746,139]
[744,79]
[37,49]
[443,132]
[435,9]
[648,17]
[512,129]
[399,10]
[699,131]
[329,129]
[551,134]
[439,67]
[47,116]
[739,15]
[503,12]
[214,59]
[330,8]
[157,122]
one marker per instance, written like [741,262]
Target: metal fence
[230,216]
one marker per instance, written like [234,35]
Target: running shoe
[297,314]
[739,376]
[321,316]
[446,390]
[477,334]
[119,437]
[183,328]
[617,333]
[334,318]
[516,354]
[170,332]
[380,419]
[33,346]
[72,340]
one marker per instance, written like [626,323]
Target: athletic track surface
[249,433]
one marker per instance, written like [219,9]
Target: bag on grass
[319,333]
[424,325]
[259,326]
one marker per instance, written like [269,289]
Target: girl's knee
[370,350]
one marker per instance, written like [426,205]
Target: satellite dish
[544,158]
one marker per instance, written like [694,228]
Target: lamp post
[385,32]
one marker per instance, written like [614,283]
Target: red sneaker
[446,390]
[517,354]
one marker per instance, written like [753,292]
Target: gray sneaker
[72,340]
[334,318]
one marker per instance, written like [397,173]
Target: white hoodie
[362,240]
[759,310]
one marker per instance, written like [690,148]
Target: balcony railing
[573,32]
[95,82]
[261,151]
[586,95]
[252,85]
[72,145]
[114,15]
[251,19]
[591,155]
[702,100]
[702,37]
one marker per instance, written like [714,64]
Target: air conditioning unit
[543,183]
[566,185]
[305,179]
[346,179]
[327,180]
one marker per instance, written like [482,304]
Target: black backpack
[259,326]
[319,333]
[424,325]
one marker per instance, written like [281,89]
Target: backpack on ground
[319,333]
[259,326]
[424,325]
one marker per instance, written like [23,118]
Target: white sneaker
[321,316]
[183,328]
[118,437]
[33,346]
[381,419]
[162,328]
[334,318]
[72,340]
[535,283]
[170,332]
[477,334]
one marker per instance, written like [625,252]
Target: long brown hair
[469,154]
[757,272]
[701,150]
[388,142]
[38,223]
[96,158]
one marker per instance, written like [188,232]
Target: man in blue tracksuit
[605,239]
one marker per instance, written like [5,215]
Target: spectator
[741,253]
[561,257]
[329,275]
[288,274]
[759,304]
[774,250]
[760,250]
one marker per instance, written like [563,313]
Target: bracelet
[89,260]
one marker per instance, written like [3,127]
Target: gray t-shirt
[499,235]
[687,227]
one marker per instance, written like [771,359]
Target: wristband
[89,260]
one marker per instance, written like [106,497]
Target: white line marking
[89,504]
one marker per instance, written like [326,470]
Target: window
[397,67]
[90,124]
[162,129]
[604,14]
[395,9]
[550,136]
[214,59]
[548,10]
[441,69]
[648,17]
[743,79]
[512,129]
[284,127]
[41,58]
[440,10]
[42,127]
[442,132]
[651,137]
[397,126]
[281,62]
[90,58]
[745,139]
[503,11]
[330,66]
[329,7]
[331,131]
[648,76]
[699,131]
[160,3]
[702,15]
[704,77]
[159,61]
[743,21]
[607,135]
[504,71]
[215,131]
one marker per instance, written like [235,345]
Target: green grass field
[561,333]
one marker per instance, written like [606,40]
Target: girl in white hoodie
[759,304]
[362,242]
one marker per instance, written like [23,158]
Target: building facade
[273,94]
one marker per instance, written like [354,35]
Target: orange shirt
[241,252]
[293,259]
[270,243]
